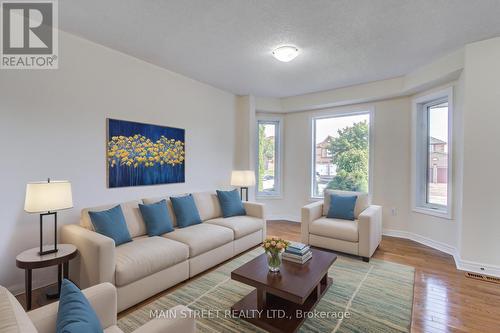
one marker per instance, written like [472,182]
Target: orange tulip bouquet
[274,247]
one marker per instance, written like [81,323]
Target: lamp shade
[243,178]
[48,196]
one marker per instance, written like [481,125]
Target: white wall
[473,233]
[52,124]
[391,160]
[480,234]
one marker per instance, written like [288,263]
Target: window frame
[278,146]
[421,151]
[338,114]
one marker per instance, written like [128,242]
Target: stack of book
[298,253]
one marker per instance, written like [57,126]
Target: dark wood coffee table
[280,298]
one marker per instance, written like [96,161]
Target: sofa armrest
[309,213]
[102,298]
[370,230]
[257,210]
[180,319]
[96,263]
[254,209]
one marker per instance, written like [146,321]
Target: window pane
[267,157]
[437,154]
[341,157]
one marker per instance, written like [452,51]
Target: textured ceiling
[228,43]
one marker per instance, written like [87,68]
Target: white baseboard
[291,218]
[470,266]
[462,265]
[422,240]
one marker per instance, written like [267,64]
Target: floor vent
[482,277]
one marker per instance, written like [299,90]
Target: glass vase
[274,261]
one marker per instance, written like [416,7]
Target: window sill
[270,197]
[433,212]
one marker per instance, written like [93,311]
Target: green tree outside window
[350,155]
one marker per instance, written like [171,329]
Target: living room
[351,135]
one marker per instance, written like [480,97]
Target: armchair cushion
[335,228]
[362,202]
[342,206]
[75,314]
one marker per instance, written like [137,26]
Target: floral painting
[142,154]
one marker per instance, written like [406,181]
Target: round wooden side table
[30,259]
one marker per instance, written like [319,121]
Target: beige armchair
[360,237]
[102,297]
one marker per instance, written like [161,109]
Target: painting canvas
[143,154]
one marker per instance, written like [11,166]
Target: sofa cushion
[148,201]
[201,237]
[230,203]
[208,205]
[111,223]
[335,228]
[133,217]
[241,225]
[145,256]
[185,211]
[75,314]
[13,318]
[362,202]
[156,218]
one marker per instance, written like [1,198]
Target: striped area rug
[377,296]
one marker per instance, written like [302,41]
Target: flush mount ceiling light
[286,53]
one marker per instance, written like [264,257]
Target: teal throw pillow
[156,218]
[185,211]
[111,223]
[75,314]
[342,206]
[230,203]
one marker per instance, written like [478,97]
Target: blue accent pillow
[156,218]
[111,223]
[230,203]
[185,211]
[342,206]
[75,314]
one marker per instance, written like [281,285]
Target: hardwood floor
[444,299]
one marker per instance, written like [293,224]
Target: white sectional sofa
[149,265]
[102,298]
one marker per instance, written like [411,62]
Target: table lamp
[47,198]
[243,179]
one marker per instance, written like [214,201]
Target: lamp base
[49,250]
[241,193]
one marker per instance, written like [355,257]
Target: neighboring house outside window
[431,175]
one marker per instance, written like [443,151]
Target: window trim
[278,193]
[371,147]
[419,175]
